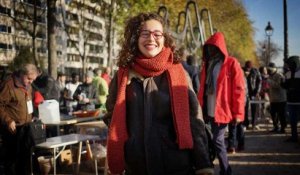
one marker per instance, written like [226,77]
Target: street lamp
[269,32]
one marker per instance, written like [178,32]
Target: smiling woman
[154,115]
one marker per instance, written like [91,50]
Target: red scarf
[179,102]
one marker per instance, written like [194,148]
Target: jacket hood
[293,62]
[217,40]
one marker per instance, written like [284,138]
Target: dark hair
[248,64]
[293,62]
[261,69]
[74,74]
[60,74]
[129,48]
[191,60]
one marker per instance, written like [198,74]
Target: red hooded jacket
[230,88]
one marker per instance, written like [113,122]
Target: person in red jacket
[221,93]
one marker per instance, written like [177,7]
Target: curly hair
[129,49]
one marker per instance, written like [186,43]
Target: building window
[41,19]
[41,35]
[74,58]
[71,43]
[94,59]
[99,49]
[34,2]
[4,28]
[4,10]
[101,60]
[41,50]
[97,37]
[5,46]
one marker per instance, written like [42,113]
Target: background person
[192,70]
[86,93]
[254,85]
[102,88]
[16,108]
[47,85]
[277,98]
[221,94]
[69,92]
[292,86]
[156,125]
[106,74]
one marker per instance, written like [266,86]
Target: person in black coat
[254,82]
[190,66]
[292,86]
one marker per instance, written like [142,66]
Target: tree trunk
[34,23]
[111,33]
[52,57]
[84,69]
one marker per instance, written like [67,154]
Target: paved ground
[266,154]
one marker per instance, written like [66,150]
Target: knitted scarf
[178,87]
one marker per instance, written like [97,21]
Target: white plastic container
[49,111]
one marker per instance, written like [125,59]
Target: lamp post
[264,54]
[269,32]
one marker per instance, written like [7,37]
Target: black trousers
[17,151]
[278,113]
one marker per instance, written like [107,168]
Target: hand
[236,121]
[288,75]
[86,100]
[34,119]
[80,97]
[12,127]
[257,96]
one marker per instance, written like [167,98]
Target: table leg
[54,161]
[79,157]
[96,165]
[106,167]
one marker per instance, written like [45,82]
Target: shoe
[282,131]
[291,139]
[231,150]
[256,127]
[240,148]
[275,130]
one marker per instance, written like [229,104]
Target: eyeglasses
[156,34]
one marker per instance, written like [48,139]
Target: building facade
[81,32]
[22,26]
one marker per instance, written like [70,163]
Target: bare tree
[262,51]
[33,11]
[51,30]
[80,34]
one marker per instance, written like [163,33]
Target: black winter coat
[292,83]
[151,148]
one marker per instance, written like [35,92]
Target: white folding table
[62,141]
[72,121]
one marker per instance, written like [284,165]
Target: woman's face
[151,39]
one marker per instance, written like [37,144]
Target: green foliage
[129,8]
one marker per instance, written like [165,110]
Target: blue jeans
[218,131]
[236,135]
[294,113]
